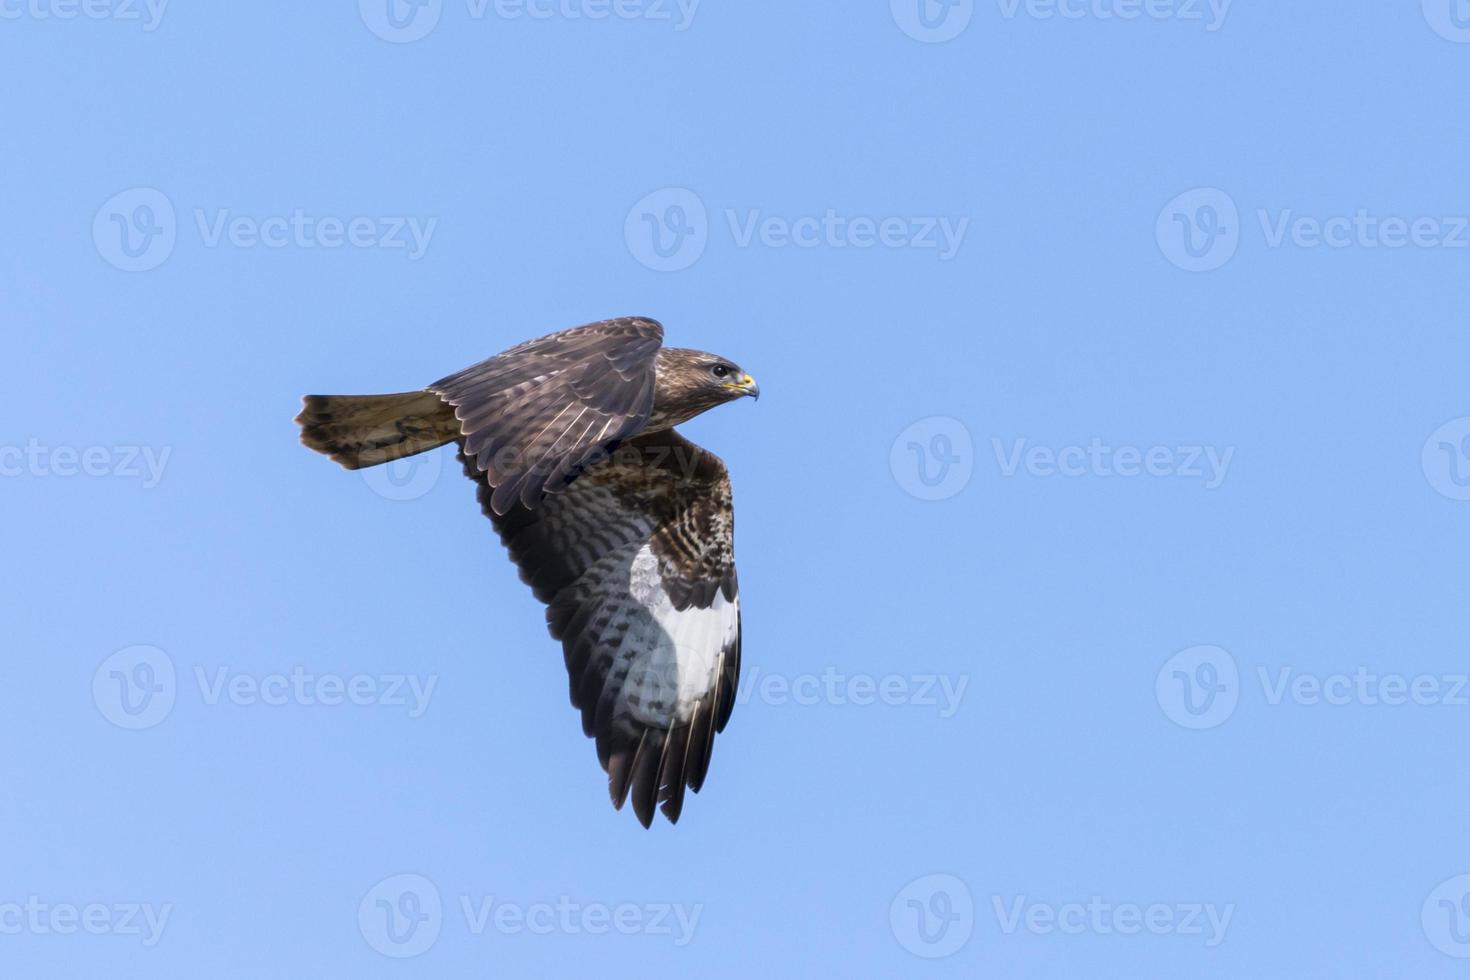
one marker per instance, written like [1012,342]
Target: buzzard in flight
[619,524]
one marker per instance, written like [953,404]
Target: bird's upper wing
[534,416]
[635,561]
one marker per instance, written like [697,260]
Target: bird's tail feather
[365,430]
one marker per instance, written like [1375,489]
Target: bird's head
[693,381]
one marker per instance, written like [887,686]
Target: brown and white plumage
[620,525]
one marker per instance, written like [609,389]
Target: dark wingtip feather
[645,776]
[619,768]
[701,743]
[671,773]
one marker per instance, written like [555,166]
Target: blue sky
[1101,530]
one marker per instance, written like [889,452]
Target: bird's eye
[720,371]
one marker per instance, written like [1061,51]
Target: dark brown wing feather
[534,416]
[641,544]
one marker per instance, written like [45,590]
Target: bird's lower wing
[536,415]
[635,562]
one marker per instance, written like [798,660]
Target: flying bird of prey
[618,523]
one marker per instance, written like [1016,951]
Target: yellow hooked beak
[747,386]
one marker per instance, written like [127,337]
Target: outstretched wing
[533,416]
[635,561]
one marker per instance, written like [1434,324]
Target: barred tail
[365,430]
